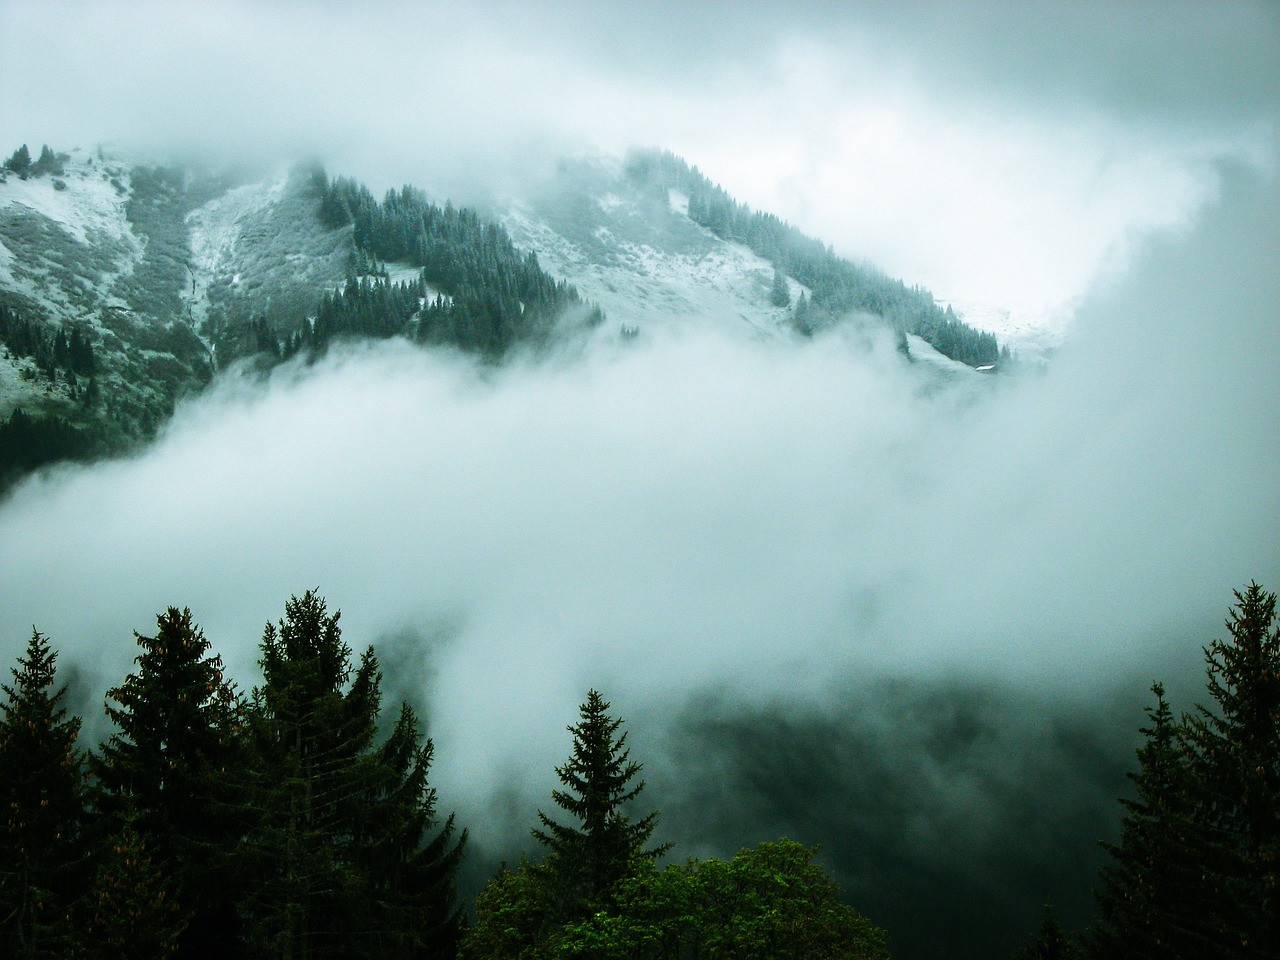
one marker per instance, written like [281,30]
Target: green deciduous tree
[41,808]
[769,902]
[774,901]
[512,918]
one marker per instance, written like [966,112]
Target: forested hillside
[105,326]
[299,821]
[491,295]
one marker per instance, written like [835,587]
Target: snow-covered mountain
[124,287]
[144,264]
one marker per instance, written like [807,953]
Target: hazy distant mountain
[125,287]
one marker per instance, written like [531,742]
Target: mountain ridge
[161,276]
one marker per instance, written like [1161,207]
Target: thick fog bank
[947,604]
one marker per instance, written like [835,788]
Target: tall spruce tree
[1195,873]
[41,809]
[131,912]
[311,721]
[410,896]
[1237,762]
[20,162]
[779,292]
[586,860]
[1050,942]
[343,863]
[1151,894]
[168,769]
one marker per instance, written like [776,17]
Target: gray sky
[998,151]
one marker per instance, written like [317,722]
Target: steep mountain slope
[91,257]
[638,255]
[260,250]
[125,287]
[154,278]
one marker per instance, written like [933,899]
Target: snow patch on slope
[400,272]
[14,391]
[6,263]
[1031,333]
[946,369]
[66,239]
[726,286]
[90,202]
[216,231]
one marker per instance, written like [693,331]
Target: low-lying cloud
[755,549]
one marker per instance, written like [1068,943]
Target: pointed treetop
[600,779]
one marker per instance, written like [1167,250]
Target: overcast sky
[697,520]
[1005,152]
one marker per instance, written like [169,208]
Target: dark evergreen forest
[298,820]
[27,441]
[488,296]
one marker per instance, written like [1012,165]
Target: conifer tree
[801,316]
[780,293]
[20,162]
[1051,942]
[168,768]
[131,912]
[589,858]
[1151,896]
[343,864]
[47,162]
[41,808]
[1237,763]
[1195,873]
[410,897]
[308,731]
